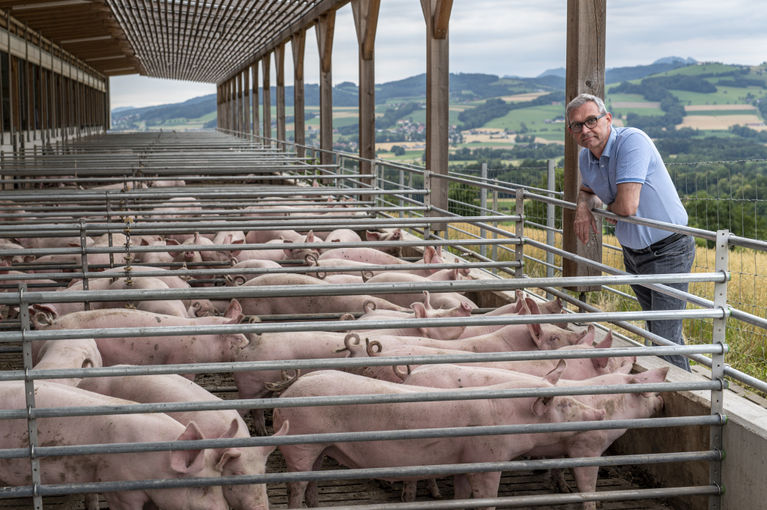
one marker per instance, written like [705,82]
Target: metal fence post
[29,393]
[519,232]
[494,248]
[401,197]
[550,221]
[483,206]
[717,363]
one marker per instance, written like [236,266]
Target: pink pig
[417,415]
[188,348]
[592,443]
[284,346]
[104,429]
[431,255]
[234,461]
[73,353]
[306,304]
[422,311]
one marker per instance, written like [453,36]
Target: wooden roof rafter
[194,40]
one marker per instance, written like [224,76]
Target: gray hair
[582,99]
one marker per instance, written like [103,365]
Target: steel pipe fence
[382,214]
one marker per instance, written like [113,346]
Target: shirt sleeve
[633,158]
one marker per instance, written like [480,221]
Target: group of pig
[249,266]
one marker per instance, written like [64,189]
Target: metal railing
[395,200]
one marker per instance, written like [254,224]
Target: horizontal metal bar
[477,393]
[346,363]
[61,489]
[364,436]
[361,289]
[338,326]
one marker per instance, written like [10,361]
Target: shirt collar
[608,146]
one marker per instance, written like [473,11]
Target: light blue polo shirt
[630,156]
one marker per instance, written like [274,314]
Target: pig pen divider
[390,204]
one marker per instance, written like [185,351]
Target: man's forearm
[588,200]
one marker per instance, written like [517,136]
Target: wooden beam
[324,30]
[297,46]
[256,101]
[436,14]
[365,21]
[585,72]
[279,69]
[248,100]
[266,69]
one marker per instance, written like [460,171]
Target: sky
[510,38]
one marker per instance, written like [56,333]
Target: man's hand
[584,223]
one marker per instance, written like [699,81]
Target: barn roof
[195,40]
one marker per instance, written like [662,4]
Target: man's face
[593,138]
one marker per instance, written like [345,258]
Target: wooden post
[247,128]
[586,22]
[256,123]
[297,45]
[366,21]
[437,16]
[237,84]
[279,70]
[266,68]
[324,30]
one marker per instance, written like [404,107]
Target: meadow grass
[745,291]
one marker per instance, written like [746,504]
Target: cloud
[520,37]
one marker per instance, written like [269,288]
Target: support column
[324,30]
[231,105]
[248,102]
[297,45]
[366,21]
[437,16]
[266,69]
[256,123]
[279,69]
[586,22]
[107,110]
[237,104]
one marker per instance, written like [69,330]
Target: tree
[398,150]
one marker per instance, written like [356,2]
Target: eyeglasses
[591,122]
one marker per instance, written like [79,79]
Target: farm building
[231,319]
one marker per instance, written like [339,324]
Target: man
[622,168]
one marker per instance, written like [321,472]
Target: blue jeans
[674,257]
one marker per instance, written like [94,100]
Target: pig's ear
[310,237]
[229,454]
[234,311]
[429,253]
[238,340]
[650,376]
[556,373]
[607,342]
[540,405]
[172,242]
[266,450]
[188,461]
[522,308]
[537,333]
[419,309]
[371,235]
[587,337]
[600,363]
[231,432]
[532,305]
